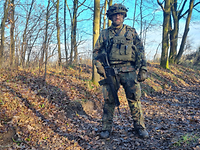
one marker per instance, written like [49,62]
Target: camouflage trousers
[133,93]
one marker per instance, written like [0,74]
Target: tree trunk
[65,37]
[141,20]
[165,38]
[12,41]
[104,17]
[75,44]
[73,31]
[74,28]
[29,52]
[173,32]
[44,46]
[96,26]
[17,41]
[3,31]
[181,50]
[177,15]
[109,4]
[173,46]
[73,16]
[58,32]
[72,46]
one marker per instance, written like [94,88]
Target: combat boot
[142,133]
[104,134]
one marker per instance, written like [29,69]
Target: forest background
[63,30]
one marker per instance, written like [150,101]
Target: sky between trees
[152,18]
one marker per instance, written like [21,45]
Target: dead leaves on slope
[64,112]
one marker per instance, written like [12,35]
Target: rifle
[110,75]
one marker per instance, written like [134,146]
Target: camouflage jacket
[109,33]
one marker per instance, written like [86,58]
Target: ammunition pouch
[122,49]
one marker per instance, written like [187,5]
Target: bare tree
[96,26]
[65,36]
[33,34]
[165,35]
[109,4]
[44,46]
[173,31]
[24,44]
[189,12]
[104,16]
[31,44]
[58,32]
[3,31]
[74,15]
[12,41]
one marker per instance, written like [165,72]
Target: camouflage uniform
[127,76]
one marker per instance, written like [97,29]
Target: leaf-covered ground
[64,112]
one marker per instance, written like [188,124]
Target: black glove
[142,74]
[100,69]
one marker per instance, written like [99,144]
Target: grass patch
[186,139]
[1,102]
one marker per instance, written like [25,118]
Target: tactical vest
[122,48]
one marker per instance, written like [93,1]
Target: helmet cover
[115,9]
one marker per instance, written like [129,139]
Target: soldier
[125,53]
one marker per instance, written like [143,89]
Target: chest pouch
[122,49]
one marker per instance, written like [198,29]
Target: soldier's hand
[142,74]
[100,69]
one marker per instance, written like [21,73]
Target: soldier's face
[117,19]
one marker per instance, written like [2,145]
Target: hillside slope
[64,112]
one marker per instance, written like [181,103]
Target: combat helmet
[116,8]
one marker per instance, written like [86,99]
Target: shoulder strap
[106,42]
[128,30]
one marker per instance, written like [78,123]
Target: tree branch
[68,9]
[81,4]
[159,3]
[88,7]
[188,10]
[179,13]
